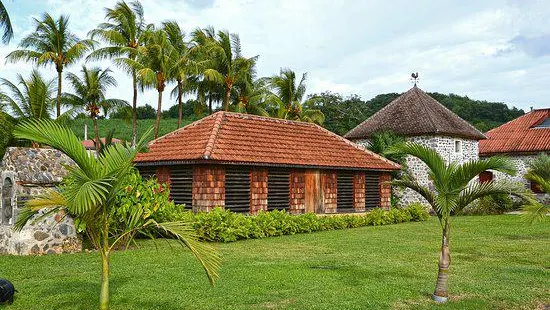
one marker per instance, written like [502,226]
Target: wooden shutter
[147,171]
[372,192]
[278,189]
[344,196]
[237,189]
[181,185]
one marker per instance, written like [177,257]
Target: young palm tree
[287,98]
[152,65]
[539,173]
[123,34]
[88,194]
[5,24]
[33,99]
[453,188]
[90,91]
[225,64]
[52,43]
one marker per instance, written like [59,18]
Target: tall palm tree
[90,90]
[123,34]
[225,64]
[539,173]
[88,194]
[452,190]
[288,96]
[251,98]
[33,99]
[5,24]
[52,43]
[153,64]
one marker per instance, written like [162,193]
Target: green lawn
[123,129]
[498,263]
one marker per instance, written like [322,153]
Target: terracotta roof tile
[520,135]
[415,113]
[240,138]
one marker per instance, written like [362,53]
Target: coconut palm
[88,194]
[90,90]
[287,98]
[52,43]
[225,64]
[153,64]
[34,98]
[451,190]
[5,24]
[251,98]
[539,173]
[123,34]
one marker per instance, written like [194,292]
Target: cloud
[538,46]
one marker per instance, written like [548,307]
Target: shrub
[225,226]
[496,204]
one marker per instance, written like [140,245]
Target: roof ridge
[359,147]
[210,144]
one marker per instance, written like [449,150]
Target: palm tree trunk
[134,109]
[96,135]
[105,268]
[440,295]
[159,112]
[227,97]
[180,104]
[210,103]
[59,79]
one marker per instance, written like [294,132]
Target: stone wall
[32,172]
[445,146]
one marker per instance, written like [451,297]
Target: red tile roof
[89,144]
[519,136]
[227,137]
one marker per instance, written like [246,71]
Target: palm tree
[382,143]
[538,173]
[88,194]
[123,34]
[5,24]
[452,190]
[287,98]
[33,99]
[90,92]
[152,65]
[225,64]
[251,98]
[52,43]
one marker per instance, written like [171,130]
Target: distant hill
[344,113]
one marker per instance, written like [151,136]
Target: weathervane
[414,78]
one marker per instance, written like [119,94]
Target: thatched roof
[415,113]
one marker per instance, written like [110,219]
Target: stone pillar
[330,191]
[385,190]
[359,192]
[297,203]
[258,190]
[208,188]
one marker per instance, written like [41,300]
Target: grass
[123,129]
[498,262]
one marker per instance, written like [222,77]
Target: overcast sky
[487,50]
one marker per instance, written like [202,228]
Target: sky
[486,50]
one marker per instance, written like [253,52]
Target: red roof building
[249,163]
[527,134]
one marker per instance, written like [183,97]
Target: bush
[496,204]
[225,226]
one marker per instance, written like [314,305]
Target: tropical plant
[123,34]
[223,62]
[33,99]
[88,193]
[382,142]
[5,24]
[52,43]
[90,90]
[153,64]
[251,98]
[538,173]
[452,188]
[287,98]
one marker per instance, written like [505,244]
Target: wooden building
[249,163]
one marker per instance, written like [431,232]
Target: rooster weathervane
[414,78]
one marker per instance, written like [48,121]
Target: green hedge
[224,226]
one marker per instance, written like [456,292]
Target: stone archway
[7,201]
